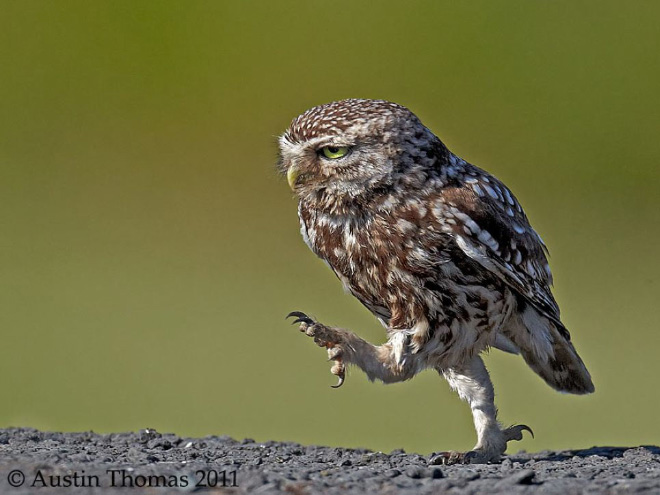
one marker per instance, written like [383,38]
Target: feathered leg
[389,362]
[473,384]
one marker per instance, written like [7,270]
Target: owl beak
[291,175]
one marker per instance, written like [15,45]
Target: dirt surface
[150,462]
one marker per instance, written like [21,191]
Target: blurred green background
[150,251]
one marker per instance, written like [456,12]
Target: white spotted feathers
[435,247]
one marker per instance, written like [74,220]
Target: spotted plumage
[440,251]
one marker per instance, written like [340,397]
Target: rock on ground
[151,462]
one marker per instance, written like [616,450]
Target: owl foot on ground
[324,336]
[482,455]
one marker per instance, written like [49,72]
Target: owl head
[350,148]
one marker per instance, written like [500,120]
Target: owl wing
[489,225]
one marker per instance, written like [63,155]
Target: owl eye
[334,152]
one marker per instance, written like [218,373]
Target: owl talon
[327,337]
[339,383]
[481,455]
[300,318]
[515,432]
[339,370]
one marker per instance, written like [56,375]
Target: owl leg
[388,362]
[473,384]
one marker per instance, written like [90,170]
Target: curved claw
[515,432]
[339,383]
[300,318]
[526,428]
[339,370]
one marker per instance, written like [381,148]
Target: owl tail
[546,348]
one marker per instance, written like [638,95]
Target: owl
[439,250]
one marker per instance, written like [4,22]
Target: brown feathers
[432,245]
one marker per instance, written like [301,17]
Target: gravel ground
[150,462]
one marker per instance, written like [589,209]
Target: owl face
[346,148]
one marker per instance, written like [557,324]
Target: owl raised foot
[324,336]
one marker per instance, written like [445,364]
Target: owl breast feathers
[439,250]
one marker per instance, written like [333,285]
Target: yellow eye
[334,152]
